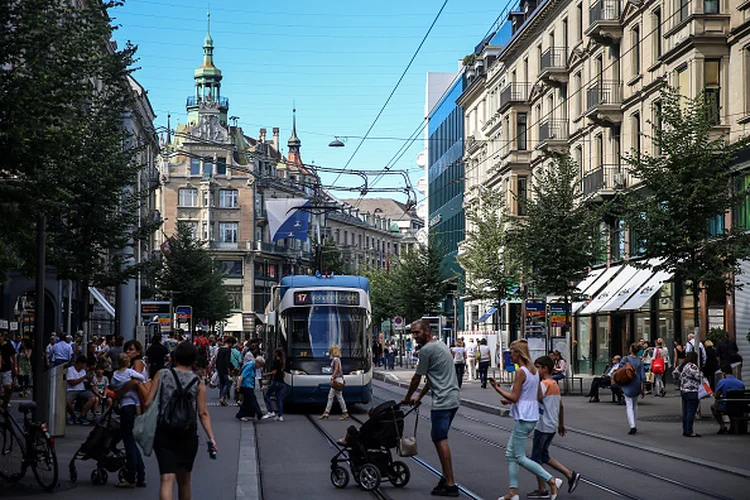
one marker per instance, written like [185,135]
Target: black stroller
[368,450]
[101,445]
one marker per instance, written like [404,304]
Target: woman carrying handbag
[337,383]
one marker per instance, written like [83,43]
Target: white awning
[646,291]
[603,275]
[610,290]
[102,301]
[590,279]
[234,323]
[627,291]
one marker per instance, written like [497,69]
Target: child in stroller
[101,446]
[368,450]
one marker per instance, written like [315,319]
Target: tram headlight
[357,372]
[298,372]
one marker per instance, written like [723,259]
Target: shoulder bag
[144,429]
[657,364]
[625,374]
[407,446]
[338,383]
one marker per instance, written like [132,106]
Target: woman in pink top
[524,400]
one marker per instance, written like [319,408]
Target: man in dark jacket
[224,370]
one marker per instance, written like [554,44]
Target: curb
[248,470]
[468,403]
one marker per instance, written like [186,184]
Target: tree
[328,258]
[190,276]
[421,281]
[383,294]
[490,271]
[66,157]
[676,208]
[556,241]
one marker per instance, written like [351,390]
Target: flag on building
[287,218]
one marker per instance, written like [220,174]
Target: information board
[326,297]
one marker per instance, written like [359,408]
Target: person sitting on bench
[558,373]
[605,382]
[728,383]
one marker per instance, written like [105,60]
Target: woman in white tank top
[524,400]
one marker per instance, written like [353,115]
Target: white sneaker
[268,415]
[280,418]
[246,419]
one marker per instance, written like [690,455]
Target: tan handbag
[407,446]
[143,390]
[336,385]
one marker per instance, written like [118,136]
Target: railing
[514,92]
[553,130]
[604,10]
[193,101]
[555,58]
[604,93]
[606,177]
[224,245]
[263,246]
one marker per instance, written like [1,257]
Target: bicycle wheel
[11,454]
[44,461]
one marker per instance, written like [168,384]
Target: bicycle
[30,447]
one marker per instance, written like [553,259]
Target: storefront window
[602,343]
[687,323]
[583,348]
[686,301]
[666,297]
[643,324]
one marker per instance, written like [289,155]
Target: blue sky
[336,61]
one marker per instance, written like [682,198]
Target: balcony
[604,102]
[602,182]
[192,101]
[604,22]
[553,137]
[271,248]
[554,66]
[514,93]
[224,245]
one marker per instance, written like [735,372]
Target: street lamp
[336,143]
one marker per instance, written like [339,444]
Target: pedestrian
[690,347]
[76,391]
[134,350]
[436,363]
[471,358]
[660,352]
[524,400]
[604,381]
[551,420]
[176,446]
[246,385]
[689,377]
[223,368]
[277,387]
[483,357]
[712,364]
[727,383]
[124,381]
[156,353]
[558,373]
[8,368]
[337,376]
[459,361]
[634,388]
[24,366]
[728,352]
[60,353]
[391,355]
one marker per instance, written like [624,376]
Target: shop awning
[646,291]
[610,290]
[484,317]
[590,279]
[602,276]
[99,297]
[627,291]
[234,323]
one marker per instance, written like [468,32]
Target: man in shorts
[436,362]
[8,368]
[76,376]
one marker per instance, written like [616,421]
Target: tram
[309,313]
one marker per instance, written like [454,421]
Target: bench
[738,410]
[571,381]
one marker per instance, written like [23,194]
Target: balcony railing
[225,245]
[553,130]
[262,246]
[604,93]
[554,58]
[193,101]
[604,10]
[514,93]
[604,178]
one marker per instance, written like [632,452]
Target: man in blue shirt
[728,383]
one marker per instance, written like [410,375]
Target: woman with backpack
[631,377]
[182,401]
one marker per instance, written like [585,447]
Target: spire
[208,47]
[294,142]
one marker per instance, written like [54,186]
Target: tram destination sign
[326,297]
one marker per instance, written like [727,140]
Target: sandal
[323,416]
[344,416]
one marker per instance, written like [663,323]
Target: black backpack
[180,412]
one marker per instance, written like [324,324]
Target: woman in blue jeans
[689,377]
[524,399]
[277,387]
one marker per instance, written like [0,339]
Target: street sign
[184,317]
[398,323]
[162,310]
[557,315]
[4,324]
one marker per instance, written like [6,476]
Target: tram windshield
[311,330]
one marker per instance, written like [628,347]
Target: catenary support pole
[39,300]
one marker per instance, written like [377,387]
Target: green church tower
[207,97]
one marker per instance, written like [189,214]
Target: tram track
[592,482]
[377,492]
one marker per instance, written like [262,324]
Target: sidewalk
[659,422]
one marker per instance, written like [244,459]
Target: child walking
[551,420]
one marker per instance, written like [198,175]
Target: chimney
[262,136]
[276,138]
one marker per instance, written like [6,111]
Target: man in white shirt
[690,347]
[471,357]
[75,377]
[60,353]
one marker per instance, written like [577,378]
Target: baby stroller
[368,450]
[101,445]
